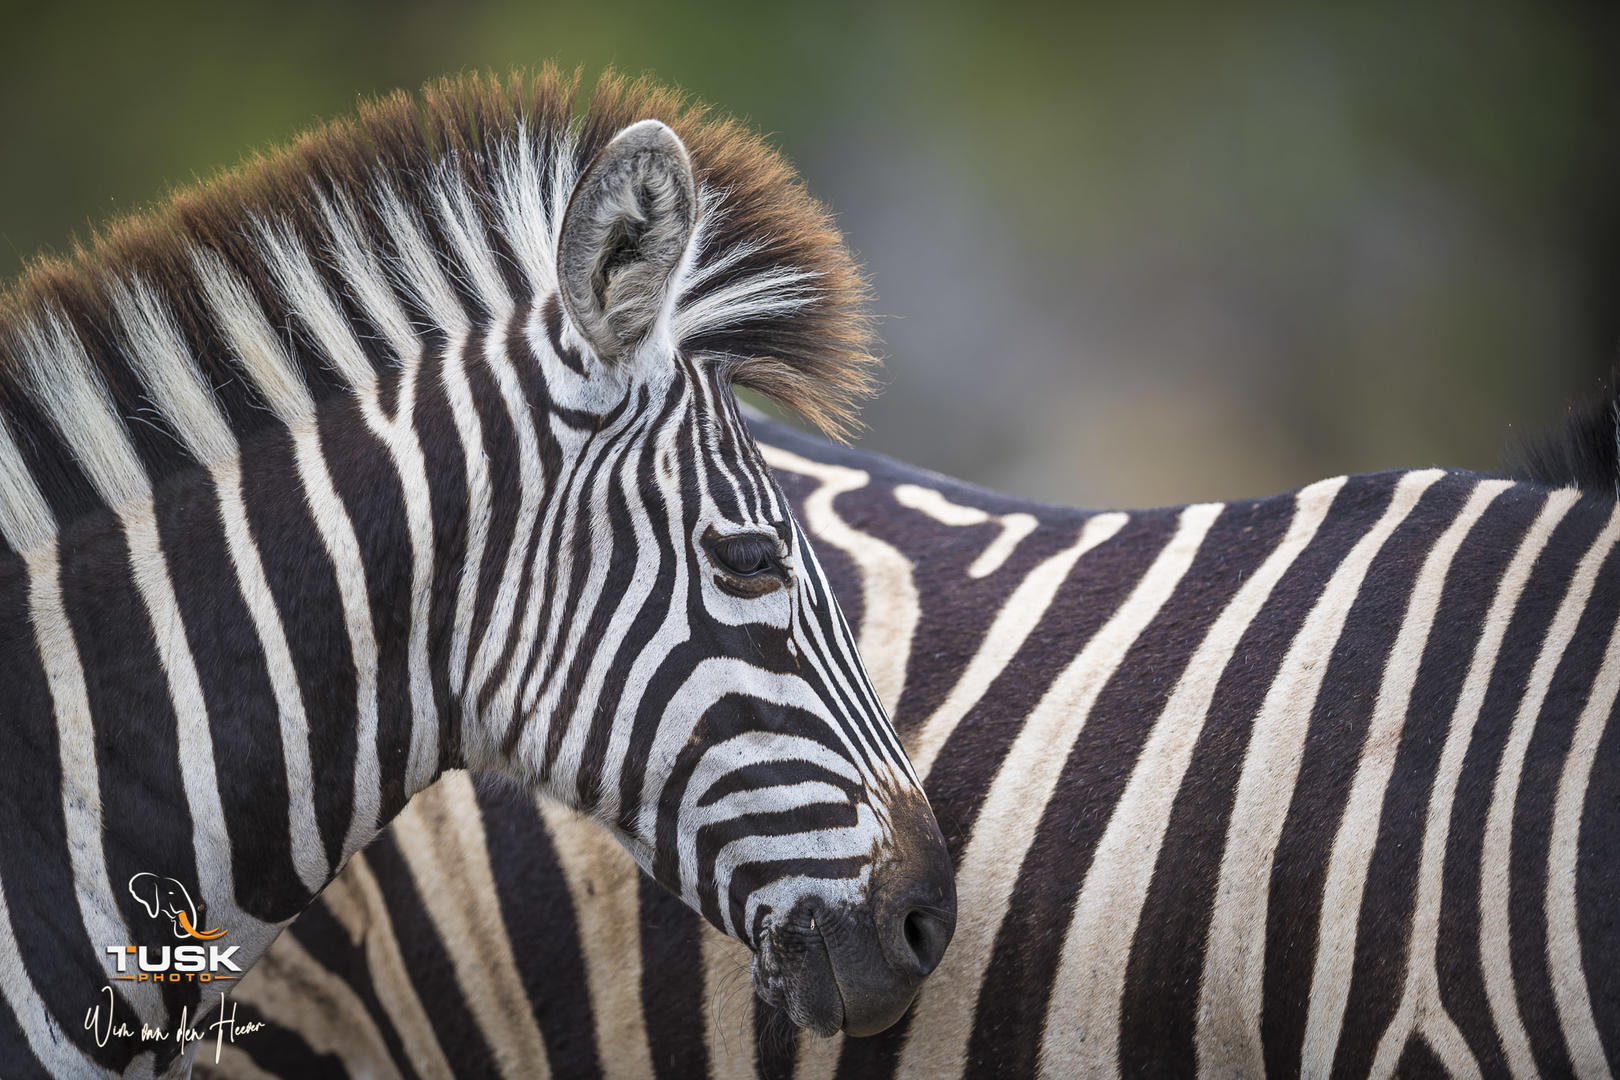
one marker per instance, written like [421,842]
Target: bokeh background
[1127,253]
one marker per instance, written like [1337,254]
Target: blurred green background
[1127,253]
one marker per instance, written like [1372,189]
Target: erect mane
[772,286]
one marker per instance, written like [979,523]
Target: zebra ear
[624,235]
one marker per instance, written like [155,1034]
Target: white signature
[106,1027]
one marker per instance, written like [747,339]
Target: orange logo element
[200,935]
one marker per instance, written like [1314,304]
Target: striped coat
[1323,782]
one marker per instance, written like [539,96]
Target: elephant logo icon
[166,898]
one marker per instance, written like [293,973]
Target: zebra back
[1321,781]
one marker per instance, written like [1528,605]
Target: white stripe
[889,594]
[255,345]
[1496,858]
[603,883]
[447,853]
[1019,615]
[1005,828]
[169,374]
[728,1007]
[60,377]
[1357,836]
[1014,527]
[308,296]
[1568,974]
[50,1046]
[453,374]
[1230,996]
[817,1059]
[63,381]
[1082,1022]
[518,185]
[356,901]
[25,518]
[278,380]
[1421,1009]
[469,240]
[176,385]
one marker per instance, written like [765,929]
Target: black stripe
[1014,997]
[370,487]
[538,911]
[1462,981]
[671,983]
[1383,929]
[434,423]
[432,973]
[278,1050]
[249,766]
[323,937]
[66,967]
[1533,819]
[145,815]
[505,495]
[1159,1008]
[776,1040]
[1331,752]
[551,315]
[303,584]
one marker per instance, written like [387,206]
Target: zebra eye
[745,556]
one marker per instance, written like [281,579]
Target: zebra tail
[1584,452]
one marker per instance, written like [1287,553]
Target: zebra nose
[926,935]
[915,909]
[920,920]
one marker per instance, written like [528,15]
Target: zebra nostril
[926,936]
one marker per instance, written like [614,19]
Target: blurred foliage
[1130,252]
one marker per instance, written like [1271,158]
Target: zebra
[1315,783]
[413,447]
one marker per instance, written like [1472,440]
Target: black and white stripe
[1317,783]
[322,484]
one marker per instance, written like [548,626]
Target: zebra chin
[855,963]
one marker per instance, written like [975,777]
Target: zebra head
[702,696]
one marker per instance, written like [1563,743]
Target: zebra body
[1316,783]
[413,448]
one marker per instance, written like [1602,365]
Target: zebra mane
[481,166]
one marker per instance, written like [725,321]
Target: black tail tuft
[1584,454]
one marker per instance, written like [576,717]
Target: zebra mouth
[825,968]
[793,971]
[853,960]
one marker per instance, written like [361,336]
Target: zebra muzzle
[855,965]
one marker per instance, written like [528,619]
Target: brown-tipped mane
[760,232]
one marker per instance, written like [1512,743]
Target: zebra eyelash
[750,563]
